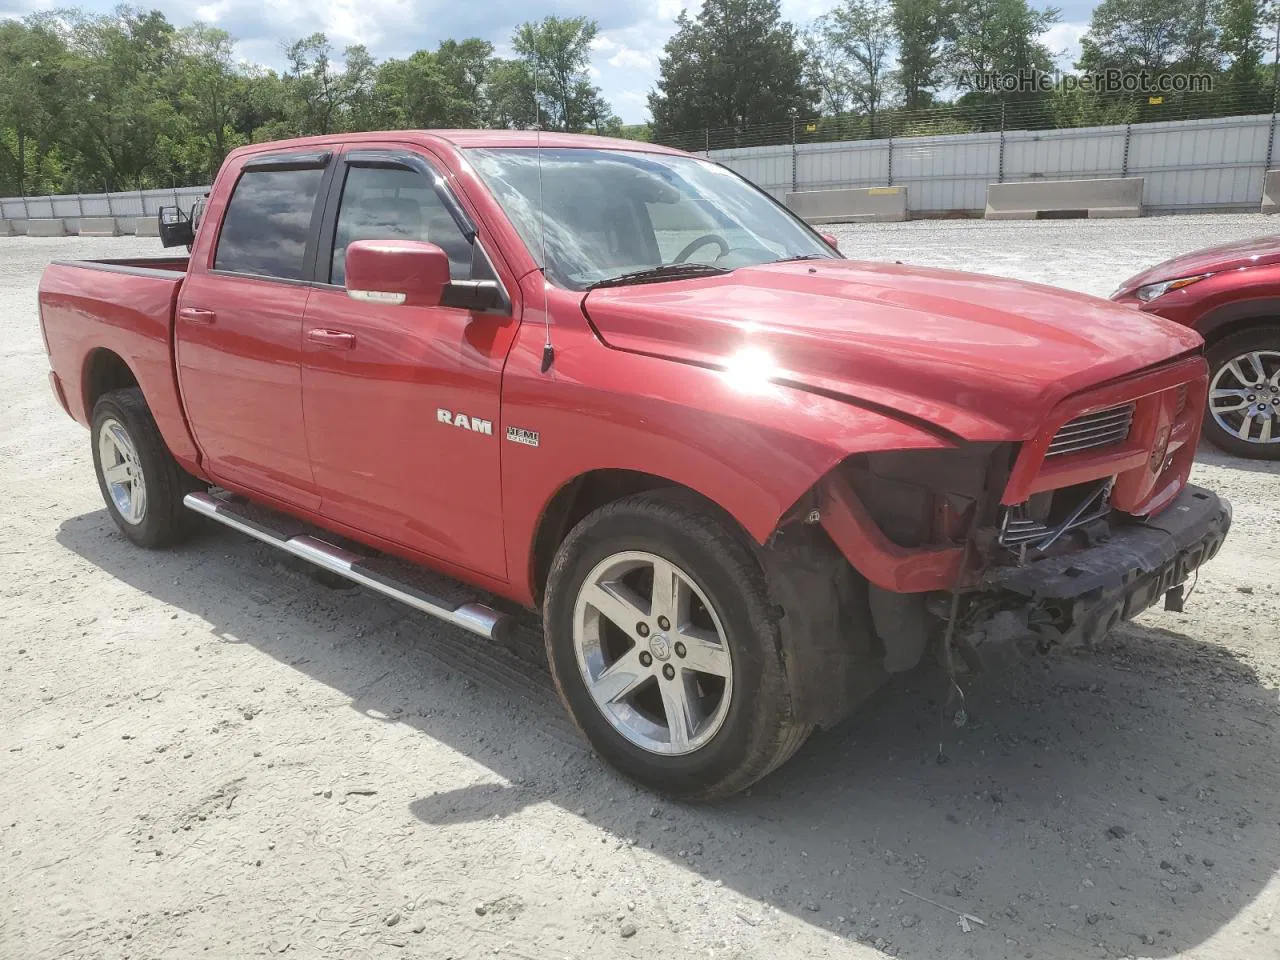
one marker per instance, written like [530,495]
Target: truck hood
[1230,256]
[981,357]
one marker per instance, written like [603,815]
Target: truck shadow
[1121,803]
[1207,453]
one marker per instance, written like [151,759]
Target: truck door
[239,327]
[402,403]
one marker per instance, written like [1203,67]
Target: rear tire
[142,484]
[1244,384]
[707,650]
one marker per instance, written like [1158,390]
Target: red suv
[1231,296]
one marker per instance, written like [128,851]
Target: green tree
[737,64]
[413,93]
[1247,88]
[827,70]
[510,95]
[862,30]
[465,66]
[33,105]
[919,27]
[208,90]
[359,106]
[997,36]
[312,88]
[556,52]
[124,122]
[1136,35]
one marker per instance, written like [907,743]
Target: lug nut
[1252,398]
[645,659]
[669,672]
[642,628]
[664,623]
[680,650]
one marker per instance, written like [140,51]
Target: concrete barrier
[46,228]
[1053,199]
[7,228]
[854,205]
[99,227]
[1271,192]
[147,227]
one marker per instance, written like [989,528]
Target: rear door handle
[197,315]
[333,339]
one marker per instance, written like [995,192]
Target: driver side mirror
[830,240]
[413,273]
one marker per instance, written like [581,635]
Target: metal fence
[135,203]
[1190,166]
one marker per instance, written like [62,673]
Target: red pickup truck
[745,480]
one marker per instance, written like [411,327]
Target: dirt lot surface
[205,752]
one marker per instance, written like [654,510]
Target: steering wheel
[702,241]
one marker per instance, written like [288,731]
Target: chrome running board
[475,617]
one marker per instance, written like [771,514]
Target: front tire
[665,648]
[1243,415]
[142,484]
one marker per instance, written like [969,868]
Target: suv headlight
[1153,290]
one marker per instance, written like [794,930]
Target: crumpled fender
[750,446]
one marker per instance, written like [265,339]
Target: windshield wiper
[667,271]
[803,256]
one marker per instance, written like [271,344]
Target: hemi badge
[520,435]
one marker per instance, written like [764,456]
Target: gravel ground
[206,750]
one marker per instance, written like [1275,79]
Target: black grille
[1099,429]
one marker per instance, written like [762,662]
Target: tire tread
[167,483]
[775,735]
[1234,345]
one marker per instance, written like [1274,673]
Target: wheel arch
[585,493]
[104,370]
[1237,317]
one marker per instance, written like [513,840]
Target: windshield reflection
[610,213]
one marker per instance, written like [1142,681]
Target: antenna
[548,351]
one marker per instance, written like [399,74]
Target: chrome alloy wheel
[122,472]
[1244,397]
[653,653]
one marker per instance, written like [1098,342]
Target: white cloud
[1063,41]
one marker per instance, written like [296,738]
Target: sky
[625,56]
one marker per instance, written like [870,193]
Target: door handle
[333,339]
[197,315]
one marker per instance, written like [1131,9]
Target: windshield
[611,213]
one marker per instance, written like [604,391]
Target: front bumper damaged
[1077,597]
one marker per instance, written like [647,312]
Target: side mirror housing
[415,274]
[394,272]
[830,240]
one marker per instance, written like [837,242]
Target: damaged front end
[1074,597]
[992,550]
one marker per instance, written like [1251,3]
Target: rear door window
[380,203]
[268,220]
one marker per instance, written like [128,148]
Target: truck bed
[101,315]
[139,266]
